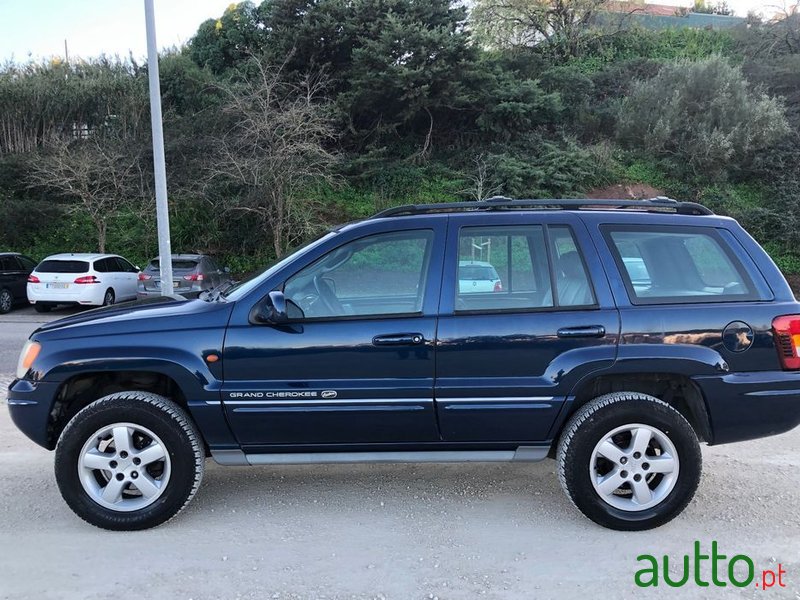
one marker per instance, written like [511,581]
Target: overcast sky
[38,28]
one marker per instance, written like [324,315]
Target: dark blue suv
[613,336]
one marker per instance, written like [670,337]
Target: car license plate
[57,286]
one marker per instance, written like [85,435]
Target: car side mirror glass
[275,310]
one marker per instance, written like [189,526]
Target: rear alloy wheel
[108,298]
[6,301]
[629,461]
[131,460]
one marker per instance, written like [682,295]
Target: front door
[355,364]
[521,322]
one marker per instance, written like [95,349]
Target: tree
[272,147]
[702,117]
[561,27]
[99,175]
[223,43]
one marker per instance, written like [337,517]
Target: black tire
[168,422]
[109,297]
[42,308]
[591,424]
[6,301]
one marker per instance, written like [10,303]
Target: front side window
[671,265]
[382,274]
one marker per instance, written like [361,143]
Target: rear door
[508,358]
[127,277]
[13,276]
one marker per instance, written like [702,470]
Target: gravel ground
[406,532]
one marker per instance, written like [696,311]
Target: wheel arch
[80,390]
[676,389]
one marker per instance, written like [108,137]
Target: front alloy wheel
[124,467]
[131,460]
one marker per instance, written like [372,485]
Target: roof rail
[659,204]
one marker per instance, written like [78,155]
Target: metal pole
[162,208]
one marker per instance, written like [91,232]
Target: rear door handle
[581,332]
[398,339]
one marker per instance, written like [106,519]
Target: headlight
[29,353]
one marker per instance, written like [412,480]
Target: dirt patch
[625,191]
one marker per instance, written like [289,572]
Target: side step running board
[521,454]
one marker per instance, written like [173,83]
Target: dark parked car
[190,273]
[14,271]
[361,347]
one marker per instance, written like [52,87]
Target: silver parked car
[190,273]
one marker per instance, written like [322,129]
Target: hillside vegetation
[286,117]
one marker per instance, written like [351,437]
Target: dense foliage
[289,115]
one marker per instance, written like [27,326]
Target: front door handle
[582,332]
[398,339]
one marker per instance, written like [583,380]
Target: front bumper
[745,406]
[30,404]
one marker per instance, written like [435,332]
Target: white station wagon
[85,279]
[475,276]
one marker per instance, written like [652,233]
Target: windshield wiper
[215,293]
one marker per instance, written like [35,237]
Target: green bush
[701,117]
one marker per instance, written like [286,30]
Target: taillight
[87,279]
[33,279]
[144,277]
[498,287]
[194,277]
[787,339]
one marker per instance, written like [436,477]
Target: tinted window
[502,268]
[63,266]
[27,263]
[676,264]
[123,265]
[8,263]
[377,275]
[472,271]
[177,265]
[102,266]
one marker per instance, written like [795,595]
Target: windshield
[243,287]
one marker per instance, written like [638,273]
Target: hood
[164,312]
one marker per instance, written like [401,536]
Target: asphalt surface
[404,532]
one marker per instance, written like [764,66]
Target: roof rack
[660,204]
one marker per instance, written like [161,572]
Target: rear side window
[675,265]
[512,268]
[27,263]
[63,266]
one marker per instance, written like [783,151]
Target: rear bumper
[745,406]
[83,294]
[29,403]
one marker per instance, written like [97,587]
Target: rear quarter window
[678,265]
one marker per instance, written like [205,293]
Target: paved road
[403,532]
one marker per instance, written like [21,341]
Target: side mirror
[275,312]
